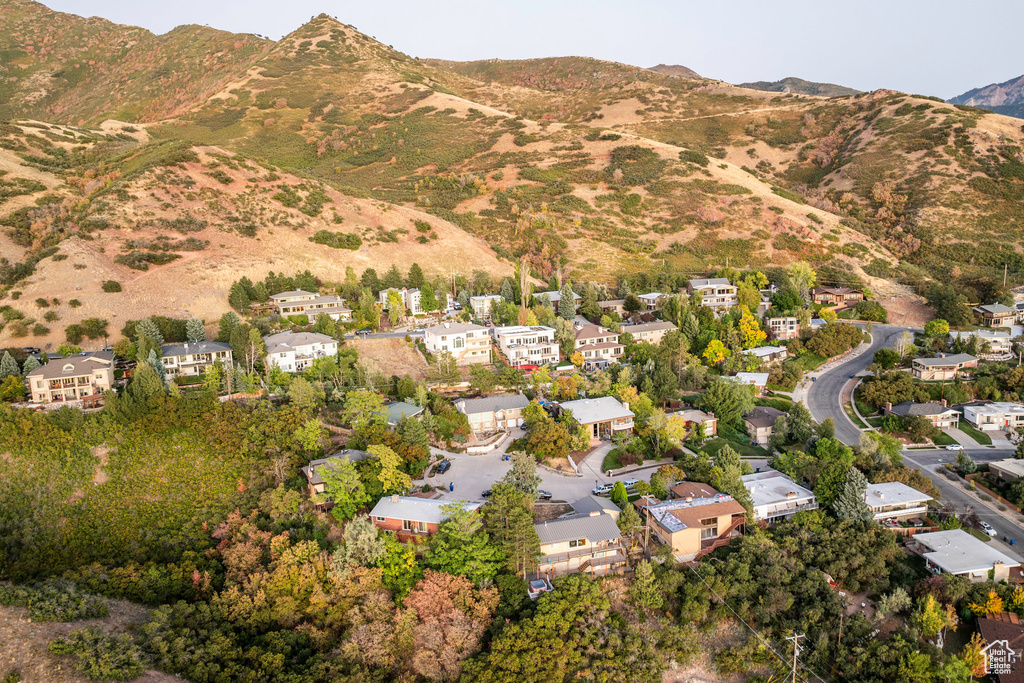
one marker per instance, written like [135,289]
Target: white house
[776,497]
[466,342]
[758,380]
[527,344]
[995,416]
[1000,343]
[602,417]
[651,300]
[957,552]
[301,302]
[769,354]
[493,413]
[410,299]
[296,351]
[716,293]
[192,358]
[481,305]
[894,500]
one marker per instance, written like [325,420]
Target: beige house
[692,526]
[650,300]
[895,500]
[840,297]
[652,333]
[783,328]
[587,542]
[72,378]
[993,345]
[192,358]
[613,306]
[527,344]
[716,293]
[938,413]
[603,416]
[467,343]
[301,302]
[693,417]
[599,347]
[410,299]
[1007,470]
[943,366]
[760,424]
[995,315]
[482,304]
[493,413]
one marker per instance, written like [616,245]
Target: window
[459,342]
[380,519]
[710,529]
[578,544]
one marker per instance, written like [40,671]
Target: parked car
[543,495]
[630,484]
[444,466]
[954,447]
[602,490]
[365,331]
[486,494]
[457,307]
[987,528]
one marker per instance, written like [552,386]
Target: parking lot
[471,475]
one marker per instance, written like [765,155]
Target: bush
[337,240]
[54,600]
[101,656]
[694,157]
[111,286]
[871,310]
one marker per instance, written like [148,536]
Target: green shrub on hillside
[54,600]
[102,656]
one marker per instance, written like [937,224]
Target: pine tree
[30,364]
[645,593]
[194,330]
[393,278]
[413,432]
[566,303]
[507,292]
[416,279]
[523,475]
[147,337]
[8,366]
[690,328]
[238,298]
[154,361]
[849,504]
[228,322]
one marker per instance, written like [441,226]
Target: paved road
[929,462]
[823,397]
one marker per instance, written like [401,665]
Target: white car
[954,447]
[987,528]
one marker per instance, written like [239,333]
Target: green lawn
[976,434]
[746,450]
[809,362]
[944,439]
[611,461]
[874,421]
[848,407]
[980,535]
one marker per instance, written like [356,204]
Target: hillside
[675,70]
[1005,98]
[589,167]
[799,86]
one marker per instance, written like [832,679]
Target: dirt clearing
[391,357]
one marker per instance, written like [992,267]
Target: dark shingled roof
[909,408]
[763,416]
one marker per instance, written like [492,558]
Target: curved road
[824,398]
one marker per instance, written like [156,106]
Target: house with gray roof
[74,378]
[400,409]
[493,413]
[717,293]
[652,332]
[192,358]
[996,315]
[314,471]
[310,304]
[602,417]
[590,504]
[412,518]
[760,423]
[297,351]
[936,412]
[957,552]
[944,366]
[555,296]
[581,542]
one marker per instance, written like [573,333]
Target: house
[527,344]
[296,351]
[580,542]
[944,366]
[652,333]
[769,354]
[493,413]
[817,324]
[998,344]
[688,490]
[481,305]
[72,378]
[590,504]
[412,519]
[894,500]
[758,380]
[192,358]
[603,416]
[693,527]
[1007,470]
[692,417]
[1004,638]
[716,293]
[650,301]
[314,471]
[783,328]
[936,412]
[310,304]
[466,342]
[396,411]
[613,306]
[599,347]
[840,297]
[760,423]
[410,299]
[555,296]
[776,497]
[995,315]
[995,416]
[957,552]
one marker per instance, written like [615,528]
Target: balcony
[783,510]
[724,538]
[911,511]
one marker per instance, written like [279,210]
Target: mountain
[801,87]
[1005,98]
[175,163]
[675,70]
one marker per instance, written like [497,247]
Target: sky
[928,47]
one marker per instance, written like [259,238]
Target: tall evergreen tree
[392,278]
[369,279]
[566,302]
[30,364]
[147,338]
[194,330]
[416,279]
[228,322]
[413,432]
[8,366]
[238,298]
[507,291]
[154,361]
[849,504]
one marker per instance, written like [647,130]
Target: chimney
[888,407]
[626,406]
[942,355]
[945,403]
[791,494]
[689,499]
[394,498]
[447,325]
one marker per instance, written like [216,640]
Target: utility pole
[796,650]
[1004,276]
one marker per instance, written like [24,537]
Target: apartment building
[716,293]
[467,343]
[296,351]
[599,346]
[527,344]
[301,302]
[72,378]
[943,366]
[192,358]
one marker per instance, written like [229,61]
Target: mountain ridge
[792,84]
[1002,98]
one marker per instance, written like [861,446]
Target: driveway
[961,437]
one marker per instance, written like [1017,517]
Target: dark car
[486,494]
[543,495]
[365,331]
[444,466]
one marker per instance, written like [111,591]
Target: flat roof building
[957,552]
